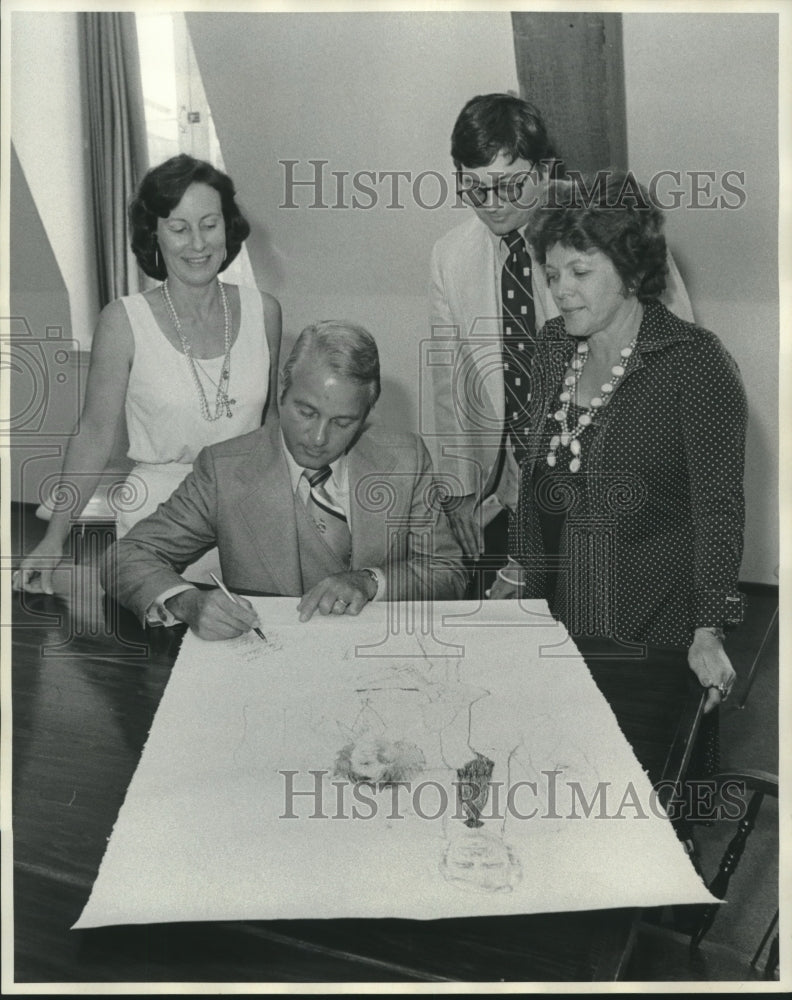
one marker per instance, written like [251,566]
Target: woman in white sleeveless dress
[189,363]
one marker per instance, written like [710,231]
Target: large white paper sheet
[242,806]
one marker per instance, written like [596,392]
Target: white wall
[702,95]
[48,133]
[365,92]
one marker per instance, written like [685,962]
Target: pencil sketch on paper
[409,718]
[420,721]
[250,648]
[411,722]
[477,854]
[480,854]
[395,726]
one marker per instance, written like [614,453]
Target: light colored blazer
[462,395]
[239,497]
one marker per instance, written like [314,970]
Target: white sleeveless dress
[164,421]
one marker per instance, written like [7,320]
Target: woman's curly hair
[160,192]
[611,212]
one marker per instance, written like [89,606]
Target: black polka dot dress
[644,541]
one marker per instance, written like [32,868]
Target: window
[178,116]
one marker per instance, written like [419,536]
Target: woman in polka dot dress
[631,510]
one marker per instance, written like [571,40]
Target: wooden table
[86,684]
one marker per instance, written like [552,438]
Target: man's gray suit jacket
[239,498]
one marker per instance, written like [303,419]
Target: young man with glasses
[488,301]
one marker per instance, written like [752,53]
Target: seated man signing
[317,505]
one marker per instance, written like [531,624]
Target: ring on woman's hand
[342,602]
[723,691]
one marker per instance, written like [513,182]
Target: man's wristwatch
[374,578]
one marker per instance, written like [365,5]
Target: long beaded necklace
[570,438]
[222,401]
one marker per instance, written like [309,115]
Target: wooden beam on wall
[571,66]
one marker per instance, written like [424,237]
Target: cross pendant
[227,403]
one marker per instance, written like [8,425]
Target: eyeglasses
[509,188]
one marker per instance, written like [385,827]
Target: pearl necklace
[222,402]
[569,438]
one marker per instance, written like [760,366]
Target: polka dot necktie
[519,337]
[328,518]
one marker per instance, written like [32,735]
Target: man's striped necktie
[329,519]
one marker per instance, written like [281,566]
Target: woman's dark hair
[493,123]
[611,212]
[160,192]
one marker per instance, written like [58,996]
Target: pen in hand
[231,597]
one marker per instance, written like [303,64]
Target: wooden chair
[759,784]
[770,632]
